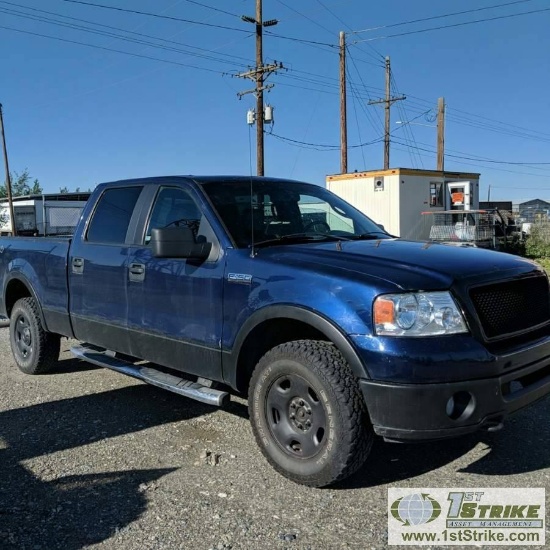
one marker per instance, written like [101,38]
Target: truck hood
[408,265]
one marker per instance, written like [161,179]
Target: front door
[175,305]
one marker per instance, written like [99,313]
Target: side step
[181,386]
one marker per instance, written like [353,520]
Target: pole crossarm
[263,70]
[391,101]
[255,90]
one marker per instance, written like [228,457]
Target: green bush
[537,244]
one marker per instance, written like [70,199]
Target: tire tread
[329,364]
[47,346]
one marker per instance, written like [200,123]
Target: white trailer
[396,198]
[43,214]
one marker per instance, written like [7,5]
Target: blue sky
[76,116]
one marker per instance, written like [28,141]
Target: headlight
[417,314]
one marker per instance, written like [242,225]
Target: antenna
[252,251]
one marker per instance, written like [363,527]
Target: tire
[35,351]
[308,414]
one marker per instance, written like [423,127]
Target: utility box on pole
[396,198]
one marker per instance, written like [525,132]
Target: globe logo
[416,509]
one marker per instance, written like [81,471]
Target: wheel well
[15,291]
[265,336]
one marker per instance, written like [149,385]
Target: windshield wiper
[371,235]
[300,237]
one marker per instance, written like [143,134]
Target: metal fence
[60,219]
[471,227]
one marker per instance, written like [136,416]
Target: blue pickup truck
[280,291]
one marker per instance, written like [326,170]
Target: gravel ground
[90,458]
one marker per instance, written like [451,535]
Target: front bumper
[418,412]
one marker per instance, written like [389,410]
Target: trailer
[396,197]
[51,214]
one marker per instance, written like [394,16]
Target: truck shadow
[71,365]
[41,508]
[522,446]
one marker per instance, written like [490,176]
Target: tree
[20,185]
[63,190]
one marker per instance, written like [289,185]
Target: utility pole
[388,101]
[441,134]
[8,179]
[343,107]
[259,74]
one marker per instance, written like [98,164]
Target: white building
[401,198]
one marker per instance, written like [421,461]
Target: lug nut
[292,415]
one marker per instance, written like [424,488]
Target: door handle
[78,265]
[136,273]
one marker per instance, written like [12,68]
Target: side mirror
[178,242]
[381,226]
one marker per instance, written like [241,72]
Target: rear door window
[112,215]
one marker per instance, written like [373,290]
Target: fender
[18,276]
[298,313]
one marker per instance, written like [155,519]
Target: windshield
[283,210]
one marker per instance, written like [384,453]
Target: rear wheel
[308,414]
[35,351]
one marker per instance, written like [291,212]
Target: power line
[320,146]
[408,129]
[369,97]
[304,16]
[301,40]
[212,8]
[440,16]
[157,15]
[462,162]
[488,160]
[119,37]
[112,50]
[378,55]
[352,89]
[500,122]
[453,25]
[492,124]
[152,37]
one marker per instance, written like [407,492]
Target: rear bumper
[419,412]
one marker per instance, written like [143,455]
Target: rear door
[175,304]
[98,270]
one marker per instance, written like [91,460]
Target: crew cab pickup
[282,292]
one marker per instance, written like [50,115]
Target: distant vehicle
[282,292]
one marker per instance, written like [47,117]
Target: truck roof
[201,180]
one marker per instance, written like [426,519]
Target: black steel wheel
[296,416]
[35,351]
[308,414]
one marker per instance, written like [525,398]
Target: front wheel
[308,414]
[35,350]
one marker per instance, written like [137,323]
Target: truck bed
[41,264]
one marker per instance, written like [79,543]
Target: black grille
[513,306]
